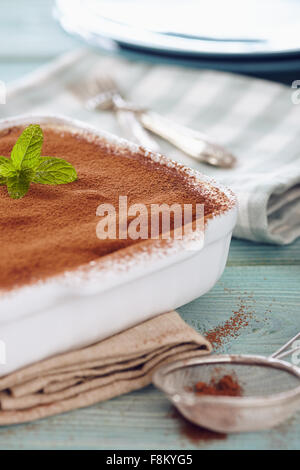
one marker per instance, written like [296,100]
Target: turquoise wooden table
[262,282]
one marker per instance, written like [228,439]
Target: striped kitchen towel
[255,119]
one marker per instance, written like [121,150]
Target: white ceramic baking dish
[94,302]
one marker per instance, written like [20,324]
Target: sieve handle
[283,351]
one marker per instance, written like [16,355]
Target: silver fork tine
[78,90]
[101,92]
[106,83]
[98,85]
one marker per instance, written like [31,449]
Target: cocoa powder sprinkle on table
[193,433]
[218,335]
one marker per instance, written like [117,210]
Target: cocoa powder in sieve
[53,228]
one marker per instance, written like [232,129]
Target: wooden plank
[144,419]
[267,296]
[140,420]
[244,253]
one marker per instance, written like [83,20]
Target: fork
[101,92]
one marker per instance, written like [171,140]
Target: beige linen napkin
[117,365]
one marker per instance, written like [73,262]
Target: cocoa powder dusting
[53,228]
[225,386]
[240,319]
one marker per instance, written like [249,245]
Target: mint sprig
[26,165]
[53,170]
[18,185]
[28,147]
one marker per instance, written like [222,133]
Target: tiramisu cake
[53,228]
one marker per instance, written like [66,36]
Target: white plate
[194,27]
[74,310]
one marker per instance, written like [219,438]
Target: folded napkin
[117,365]
[255,119]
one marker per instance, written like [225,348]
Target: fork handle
[191,142]
[134,130]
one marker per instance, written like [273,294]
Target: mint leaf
[2,178]
[26,165]
[28,147]
[18,185]
[6,168]
[52,170]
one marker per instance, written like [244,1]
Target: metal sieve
[271,389]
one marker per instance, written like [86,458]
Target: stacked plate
[249,36]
